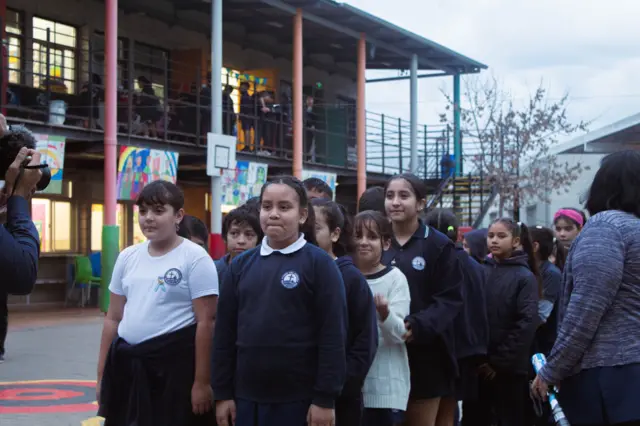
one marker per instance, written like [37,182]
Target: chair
[84,278]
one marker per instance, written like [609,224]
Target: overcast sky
[590,48]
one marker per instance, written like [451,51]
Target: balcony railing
[164,98]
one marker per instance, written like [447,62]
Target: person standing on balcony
[228,112]
[429,261]
[247,116]
[310,118]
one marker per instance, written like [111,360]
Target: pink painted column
[111,108]
[361,117]
[298,108]
[110,231]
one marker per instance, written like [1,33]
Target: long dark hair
[548,246]
[445,221]
[308,227]
[520,230]
[336,217]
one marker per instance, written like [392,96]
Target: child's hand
[408,336]
[382,306]
[318,416]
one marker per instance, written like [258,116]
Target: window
[55,44]
[14,39]
[151,62]
[138,236]
[98,51]
[532,215]
[53,221]
[97,216]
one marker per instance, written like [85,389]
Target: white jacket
[388,382]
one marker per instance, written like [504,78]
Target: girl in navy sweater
[333,235]
[429,261]
[471,325]
[513,291]
[279,348]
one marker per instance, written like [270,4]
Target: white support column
[413,99]
[216,244]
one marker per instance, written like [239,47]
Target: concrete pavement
[48,378]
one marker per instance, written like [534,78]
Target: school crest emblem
[418,263]
[172,277]
[290,279]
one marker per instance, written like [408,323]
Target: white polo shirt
[160,290]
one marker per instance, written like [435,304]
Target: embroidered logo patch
[290,279]
[172,277]
[418,263]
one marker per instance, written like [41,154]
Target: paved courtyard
[48,378]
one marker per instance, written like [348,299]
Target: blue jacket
[19,249]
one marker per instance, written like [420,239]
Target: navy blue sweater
[280,329]
[222,267]
[432,268]
[472,324]
[362,335]
[19,249]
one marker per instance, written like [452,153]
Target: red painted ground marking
[30,392]
[26,394]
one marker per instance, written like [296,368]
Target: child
[512,305]
[372,199]
[475,244]
[544,245]
[317,188]
[429,261]
[195,230]
[386,388]
[568,223]
[333,235]
[157,333]
[471,325]
[240,232]
[279,352]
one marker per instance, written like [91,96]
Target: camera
[11,142]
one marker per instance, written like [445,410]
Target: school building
[53,68]
[587,150]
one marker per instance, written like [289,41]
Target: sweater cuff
[223,394]
[323,400]
[17,205]
[547,376]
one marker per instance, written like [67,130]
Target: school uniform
[150,367]
[362,342]
[548,307]
[471,327]
[281,329]
[512,308]
[386,388]
[222,266]
[432,268]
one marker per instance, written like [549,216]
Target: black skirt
[432,375]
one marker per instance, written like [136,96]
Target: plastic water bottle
[538,361]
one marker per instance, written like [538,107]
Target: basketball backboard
[221,153]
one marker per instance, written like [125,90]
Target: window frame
[21,48]
[147,70]
[73,220]
[48,46]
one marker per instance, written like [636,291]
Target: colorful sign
[243,182]
[52,150]
[140,166]
[329,178]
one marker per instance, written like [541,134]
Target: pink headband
[571,214]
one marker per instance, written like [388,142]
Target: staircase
[468,196]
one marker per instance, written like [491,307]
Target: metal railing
[167,98]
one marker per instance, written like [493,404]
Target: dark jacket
[362,334]
[19,249]
[552,283]
[472,324]
[149,384]
[512,307]
[222,267]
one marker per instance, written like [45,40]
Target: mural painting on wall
[243,182]
[140,166]
[52,150]
[329,178]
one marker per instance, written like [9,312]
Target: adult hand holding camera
[23,185]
